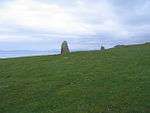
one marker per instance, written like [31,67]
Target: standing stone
[64,48]
[102,48]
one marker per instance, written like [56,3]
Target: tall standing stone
[102,48]
[64,48]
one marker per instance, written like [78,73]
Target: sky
[85,24]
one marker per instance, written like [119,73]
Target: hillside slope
[111,81]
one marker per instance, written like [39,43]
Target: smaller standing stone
[64,48]
[102,48]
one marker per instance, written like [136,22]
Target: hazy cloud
[36,20]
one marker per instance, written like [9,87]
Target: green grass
[112,81]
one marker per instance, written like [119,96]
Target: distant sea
[23,53]
[26,53]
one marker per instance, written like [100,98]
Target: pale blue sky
[85,24]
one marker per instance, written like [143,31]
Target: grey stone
[64,48]
[102,48]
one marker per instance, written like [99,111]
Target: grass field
[111,81]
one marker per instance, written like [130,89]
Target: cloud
[54,18]
[41,16]
[36,20]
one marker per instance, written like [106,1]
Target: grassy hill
[112,81]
